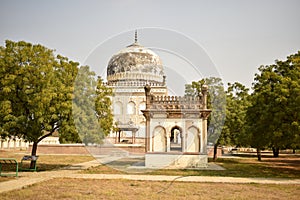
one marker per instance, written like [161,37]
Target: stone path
[29,178]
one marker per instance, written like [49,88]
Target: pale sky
[237,36]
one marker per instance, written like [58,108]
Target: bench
[7,163]
[28,158]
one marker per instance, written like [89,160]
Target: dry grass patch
[47,162]
[6,178]
[287,166]
[102,169]
[127,189]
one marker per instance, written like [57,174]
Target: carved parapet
[176,102]
[135,79]
[133,83]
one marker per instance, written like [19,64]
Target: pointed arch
[118,108]
[176,139]
[159,139]
[193,139]
[142,130]
[142,106]
[131,108]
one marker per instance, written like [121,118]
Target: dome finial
[135,37]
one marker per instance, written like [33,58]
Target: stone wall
[61,149]
[210,151]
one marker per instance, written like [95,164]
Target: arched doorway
[176,139]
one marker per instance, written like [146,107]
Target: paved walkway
[29,178]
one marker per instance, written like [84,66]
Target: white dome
[135,63]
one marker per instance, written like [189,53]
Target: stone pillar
[146,114]
[168,147]
[183,142]
[147,136]
[148,96]
[204,115]
[204,135]
[200,141]
[133,136]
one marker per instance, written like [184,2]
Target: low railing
[176,102]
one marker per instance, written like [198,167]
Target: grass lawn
[286,166]
[65,188]
[45,162]
[48,162]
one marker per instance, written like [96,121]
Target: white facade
[174,128]
[128,71]
[128,101]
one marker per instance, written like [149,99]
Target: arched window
[142,130]
[131,108]
[118,108]
[142,107]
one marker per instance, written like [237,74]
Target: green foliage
[216,101]
[37,93]
[237,99]
[91,107]
[273,117]
[102,106]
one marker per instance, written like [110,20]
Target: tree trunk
[258,154]
[275,151]
[215,152]
[35,145]
[294,151]
[33,153]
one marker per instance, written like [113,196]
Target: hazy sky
[238,36]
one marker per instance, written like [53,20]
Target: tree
[273,117]
[36,93]
[103,107]
[217,102]
[91,107]
[237,100]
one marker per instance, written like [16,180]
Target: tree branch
[48,134]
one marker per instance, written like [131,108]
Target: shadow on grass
[40,167]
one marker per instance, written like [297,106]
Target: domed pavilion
[128,72]
[173,129]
